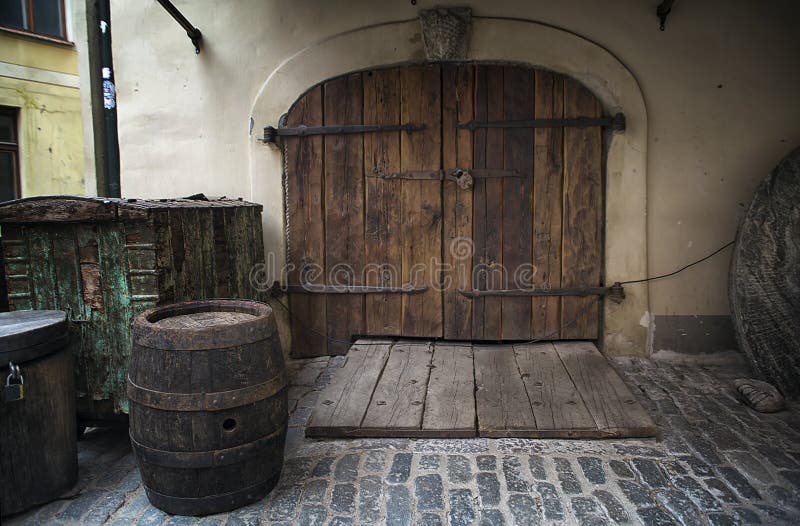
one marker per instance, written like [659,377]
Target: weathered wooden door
[387,237]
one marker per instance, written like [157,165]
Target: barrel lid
[31,334]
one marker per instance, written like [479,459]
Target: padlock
[16,391]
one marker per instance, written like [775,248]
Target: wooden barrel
[208,405]
[765,278]
[38,450]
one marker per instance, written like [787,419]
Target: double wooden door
[391,232]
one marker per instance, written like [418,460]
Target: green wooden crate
[104,260]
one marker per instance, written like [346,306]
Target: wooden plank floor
[450,389]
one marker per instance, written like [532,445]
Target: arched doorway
[438,229]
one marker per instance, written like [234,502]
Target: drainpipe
[110,135]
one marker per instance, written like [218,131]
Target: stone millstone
[765,278]
[761,396]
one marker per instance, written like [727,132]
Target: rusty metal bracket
[271,133]
[615,292]
[311,288]
[616,123]
[192,32]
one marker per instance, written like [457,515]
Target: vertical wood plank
[517,197]
[488,204]
[450,402]
[304,182]
[612,405]
[547,199]
[344,211]
[343,403]
[398,400]
[501,401]
[421,200]
[382,230]
[457,106]
[556,402]
[582,214]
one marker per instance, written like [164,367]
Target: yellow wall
[50,126]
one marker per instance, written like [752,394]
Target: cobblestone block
[375,461]
[698,467]
[428,491]
[284,502]
[462,510]
[370,495]
[135,504]
[429,462]
[313,515]
[524,510]
[587,511]
[551,502]
[747,463]
[637,494]
[746,515]
[401,468]
[430,519]
[487,462]
[650,472]
[103,508]
[721,490]
[488,489]
[78,507]
[792,476]
[614,508]
[739,483]
[315,491]
[592,469]
[398,506]
[347,468]
[512,471]
[536,465]
[656,517]
[341,521]
[776,514]
[343,500]
[697,493]
[680,506]
[458,469]
[777,457]
[621,469]
[323,467]
[721,519]
[639,451]
[705,449]
[492,518]
[296,470]
[152,517]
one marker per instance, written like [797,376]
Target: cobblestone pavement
[716,463]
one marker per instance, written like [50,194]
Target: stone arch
[625,326]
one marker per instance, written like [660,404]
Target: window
[44,17]
[9,155]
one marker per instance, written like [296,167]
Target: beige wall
[720,86]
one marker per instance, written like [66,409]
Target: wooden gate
[441,225]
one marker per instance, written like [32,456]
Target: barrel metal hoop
[203,459]
[216,401]
[211,503]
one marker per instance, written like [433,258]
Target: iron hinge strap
[616,123]
[271,133]
[615,292]
[310,288]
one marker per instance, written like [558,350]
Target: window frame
[29,19]
[13,147]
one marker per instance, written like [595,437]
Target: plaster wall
[40,78]
[719,86]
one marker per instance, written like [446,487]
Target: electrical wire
[546,337]
[720,249]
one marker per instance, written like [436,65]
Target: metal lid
[27,335]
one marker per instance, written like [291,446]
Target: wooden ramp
[440,389]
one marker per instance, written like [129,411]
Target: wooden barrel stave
[208,424]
